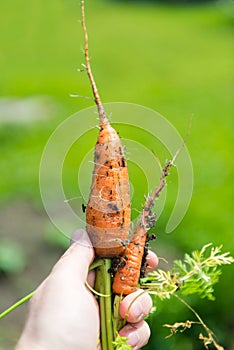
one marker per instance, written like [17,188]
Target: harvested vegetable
[108,210]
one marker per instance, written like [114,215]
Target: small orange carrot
[128,271]
[108,210]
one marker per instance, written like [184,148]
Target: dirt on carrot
[131,264]
[108,210]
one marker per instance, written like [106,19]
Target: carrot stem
[17,304]
[108,303]
[99,286]
[103,286]
[119,322]
[95,264]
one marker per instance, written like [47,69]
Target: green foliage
[196,274]
[120,343]
[200,271]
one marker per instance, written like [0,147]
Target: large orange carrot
[108,209]
[128,272]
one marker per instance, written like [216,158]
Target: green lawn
[175,60]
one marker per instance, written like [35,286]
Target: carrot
[129,268]
[108,208]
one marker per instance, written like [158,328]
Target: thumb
[77,258]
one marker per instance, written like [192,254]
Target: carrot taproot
[108,209]
[133,262]
[129,268]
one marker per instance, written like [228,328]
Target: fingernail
[133,336]
[141,307]
[75,236]
[81,237]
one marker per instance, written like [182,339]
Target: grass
[176,60]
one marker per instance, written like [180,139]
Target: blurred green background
[174,58]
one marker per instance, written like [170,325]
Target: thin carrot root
[128,272]
[108,210]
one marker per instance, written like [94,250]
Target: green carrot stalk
[17,304]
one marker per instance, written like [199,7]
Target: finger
[151,261]
[135,306]
[137,334]
[76,260]
[76,238]
[91,278]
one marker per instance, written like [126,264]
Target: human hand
[64,314]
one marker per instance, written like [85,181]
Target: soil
[22,223]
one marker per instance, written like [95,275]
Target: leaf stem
[108,303]
[95,264]
[103,286]
[99,286]
[17,304]
[208,330]
[193,311]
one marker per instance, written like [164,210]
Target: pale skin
[64,314]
